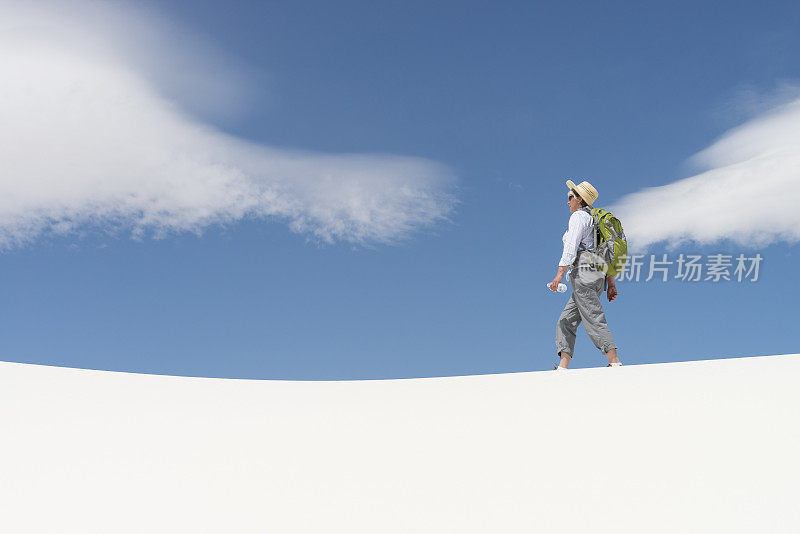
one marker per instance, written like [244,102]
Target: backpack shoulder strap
[588,210]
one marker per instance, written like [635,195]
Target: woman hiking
[587,281]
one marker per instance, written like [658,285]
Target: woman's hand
[559,276]
[555,282]
[611,292]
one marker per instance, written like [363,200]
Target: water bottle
[561,287]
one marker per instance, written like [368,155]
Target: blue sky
[351,190]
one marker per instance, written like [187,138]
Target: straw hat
[587,192]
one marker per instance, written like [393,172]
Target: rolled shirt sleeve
[578,225]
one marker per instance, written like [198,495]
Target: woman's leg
[566,330]
[587,289]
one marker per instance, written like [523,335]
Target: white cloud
[90,137]
[747,193]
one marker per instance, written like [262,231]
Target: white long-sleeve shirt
[579,231]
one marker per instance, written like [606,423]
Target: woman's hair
[583,202]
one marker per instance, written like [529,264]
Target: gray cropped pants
[584,306]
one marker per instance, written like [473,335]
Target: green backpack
[610,246]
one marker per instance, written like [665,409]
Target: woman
[587,281]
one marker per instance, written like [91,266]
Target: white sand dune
[706,446]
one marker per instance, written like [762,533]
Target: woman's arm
[577,226]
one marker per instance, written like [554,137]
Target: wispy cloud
[746,194]
[92,136]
